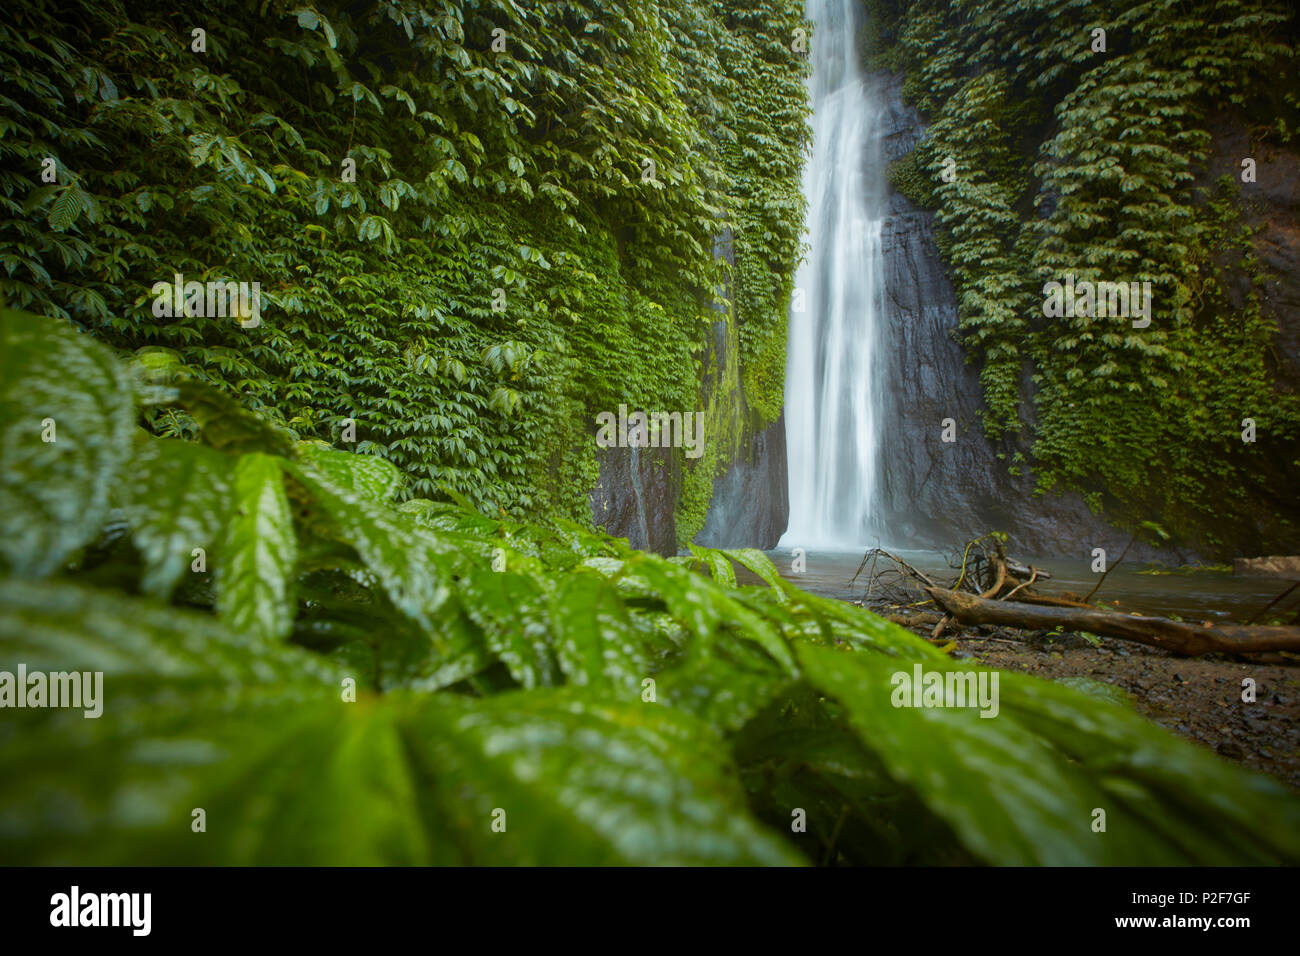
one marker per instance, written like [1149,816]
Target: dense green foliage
[1070,160]
[523,693]
[524,169]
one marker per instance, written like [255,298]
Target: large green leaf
[54,495]
[227,425]
[759,563]
[292,773]
[53,626]
[400,554]
[586,781]
[702,605]
[512,610]
[594,638]
[857,626]
[256,565]
[725,681]
[177,500]
[718,564]
[372,478]
[1013,796]
[1210,810]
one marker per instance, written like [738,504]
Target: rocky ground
[1199,698]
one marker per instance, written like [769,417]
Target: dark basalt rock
[636,495]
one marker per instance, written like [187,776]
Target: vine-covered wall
[1079,140]
[475,225]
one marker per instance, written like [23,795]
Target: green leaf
[1195,805]
[66,209]
[584,781]
[759,563]
[228,426]
[718,564]
[372,478]
[55,626]
[702,606]
[1014,794]
[57,384]
[390,545]
[594,639]
[724,683]
[512,611]
[256,564]
[298,777]
[177,501]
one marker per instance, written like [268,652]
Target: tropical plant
[332,677]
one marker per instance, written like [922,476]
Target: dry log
[1050,601]
[1176,636]
[1020,570]
[999,581]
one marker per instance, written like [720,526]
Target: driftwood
[1176,636]
[1050,601]
[980,567]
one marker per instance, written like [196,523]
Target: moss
[907,176]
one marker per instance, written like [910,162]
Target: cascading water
[833,388]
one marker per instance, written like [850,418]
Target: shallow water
[1198,595]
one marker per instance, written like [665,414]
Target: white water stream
[834,387]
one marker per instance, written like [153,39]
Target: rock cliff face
[938,494]
[638,489]
[636,496]
[751,500]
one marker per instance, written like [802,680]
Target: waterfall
[833,388]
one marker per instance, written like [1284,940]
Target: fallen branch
[1001,578]
[1270,604]
[1023,584]
[1050,601]
[1176,636]
[1114,564]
